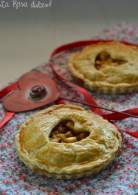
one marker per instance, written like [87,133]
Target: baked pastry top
[67,141]
[107,67]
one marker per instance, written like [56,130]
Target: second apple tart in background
[107,67]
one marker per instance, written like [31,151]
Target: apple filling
[104,59]
[65,132]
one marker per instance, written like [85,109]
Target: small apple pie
[109,67]
[67,141]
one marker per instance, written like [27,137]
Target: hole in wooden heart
[64,132]
[38,92]
[104,59]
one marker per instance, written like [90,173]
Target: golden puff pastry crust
[108,67]
[67,141]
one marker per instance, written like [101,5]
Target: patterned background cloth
[120,178]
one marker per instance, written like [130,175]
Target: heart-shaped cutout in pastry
[34,89]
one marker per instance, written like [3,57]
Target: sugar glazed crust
[67,141]
[108,67]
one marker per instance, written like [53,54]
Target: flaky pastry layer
[113,77]
[67,160]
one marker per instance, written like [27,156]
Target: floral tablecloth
[120,178]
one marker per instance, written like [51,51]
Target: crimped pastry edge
[100,86]
[38,170]
[36,166]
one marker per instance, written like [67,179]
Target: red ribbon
[8,89]
[8,115]
[121,115]
[88,99]
[87,96]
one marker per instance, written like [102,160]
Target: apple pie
[67,141]
[108,67]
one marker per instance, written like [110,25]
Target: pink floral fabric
[120,178]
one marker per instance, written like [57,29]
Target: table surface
[27,36]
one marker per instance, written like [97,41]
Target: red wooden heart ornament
[34,89]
